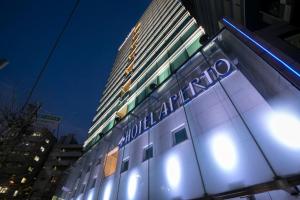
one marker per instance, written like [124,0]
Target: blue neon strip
[263,48]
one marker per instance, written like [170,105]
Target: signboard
[219,70]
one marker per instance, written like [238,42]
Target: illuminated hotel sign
[221,69]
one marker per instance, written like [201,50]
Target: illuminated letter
[163,111]
[127,135]
[182,93]
[140,127]
[221,67]
[146,122]
[192,89]
[134,131]
[152,119]
[172,99]
[196,82]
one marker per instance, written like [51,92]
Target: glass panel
[181,58]
[228,156]
[131,105]
[164,75]
[267,103]
[174,47]
[134,181]
[173,171]
[193,47]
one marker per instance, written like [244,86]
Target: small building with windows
[21,159]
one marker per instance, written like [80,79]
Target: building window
[42,149]
[148,152]
[16,193]
[30,169]
[125,165]
[36,158]
[36,134]
[47,141]
[179,136]
[53,179]
[3,190]
[111,160]
[23,180]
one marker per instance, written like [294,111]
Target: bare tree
[13,119]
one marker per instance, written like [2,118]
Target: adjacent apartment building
[183,120]
[63,154]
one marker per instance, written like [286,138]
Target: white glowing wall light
[132,184]
[224,151]
[173,171]
[91,194]
[284,127]
[107,190]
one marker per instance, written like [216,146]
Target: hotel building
[184,120]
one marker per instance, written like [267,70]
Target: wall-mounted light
[132,184]
[91,194]
[224,151]
[284,127]
[107,190]
[173,171]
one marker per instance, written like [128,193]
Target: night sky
[73,82]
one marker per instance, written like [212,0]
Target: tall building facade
[184,120]
[164,38]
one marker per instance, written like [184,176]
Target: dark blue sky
[73,82]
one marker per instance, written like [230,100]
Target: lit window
[3,189]
[30,168]
[47,141]
[63,150]
[179,136]
[125,165]
[36,134]
[23,180]
[42,149]
[16,193]
[111,159]
[36,158]
[26,144]
[54,168]
[148,152]
[26,154]
[53,179]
